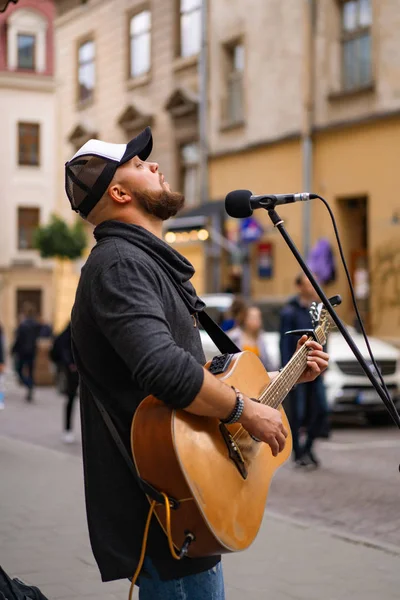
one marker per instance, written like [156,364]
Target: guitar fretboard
[277,391]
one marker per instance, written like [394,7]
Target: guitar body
[187,456]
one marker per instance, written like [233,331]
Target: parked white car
[348,388]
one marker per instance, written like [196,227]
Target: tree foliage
[60,240]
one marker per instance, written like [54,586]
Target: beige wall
[363,161]
[333,106]
[25,99]
[272,33]
[265,153]
[355,162]
[271,169]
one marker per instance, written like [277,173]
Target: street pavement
[309,546]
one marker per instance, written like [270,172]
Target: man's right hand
[264,423]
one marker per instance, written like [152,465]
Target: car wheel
[378,418]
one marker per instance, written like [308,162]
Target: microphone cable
[390,406]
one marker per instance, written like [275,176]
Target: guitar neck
[277,391]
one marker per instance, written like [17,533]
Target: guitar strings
[294,369]
[286,380]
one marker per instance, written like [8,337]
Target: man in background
[306,403]
[24,348]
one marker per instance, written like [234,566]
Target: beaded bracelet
[237,411]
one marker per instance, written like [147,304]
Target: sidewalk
[44,541]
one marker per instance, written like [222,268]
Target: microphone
[241,203]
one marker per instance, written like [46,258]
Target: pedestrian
[134,333]
[2,368]
[67,373]
[306,404]
[249,335]
[24,348]
[235,314]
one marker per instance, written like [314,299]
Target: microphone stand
[278,223]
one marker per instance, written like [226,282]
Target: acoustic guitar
[219,474]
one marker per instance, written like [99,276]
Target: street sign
[250,230]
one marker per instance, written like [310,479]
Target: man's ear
[119,194]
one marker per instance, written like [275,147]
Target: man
[135,333]
[25,348]
[306,403]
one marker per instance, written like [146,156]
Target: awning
[207,209]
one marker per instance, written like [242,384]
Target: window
[140,37]
[27,40]
[190,157]
[26,51]
[356,43]
[86,71]
[28,222]
[234,110]
[190,27]
[28,144]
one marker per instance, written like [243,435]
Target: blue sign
[250,230]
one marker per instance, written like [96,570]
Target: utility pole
[308,117]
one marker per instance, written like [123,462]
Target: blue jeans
[208,585]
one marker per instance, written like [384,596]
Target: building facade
[27,157]
[319,111]
[297,95]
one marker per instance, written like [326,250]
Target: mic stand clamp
[278,223]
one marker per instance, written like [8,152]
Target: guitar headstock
[320,321]
[320,318]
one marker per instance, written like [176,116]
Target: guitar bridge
[233,450]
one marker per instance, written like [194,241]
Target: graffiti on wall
[385,282]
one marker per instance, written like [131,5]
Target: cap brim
[140,146]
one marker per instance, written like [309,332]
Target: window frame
[231,75]
[36,211]
[34,59]
[138,10]
[83,102]
[180,14]
[27,163]
[347,37]
[183,167]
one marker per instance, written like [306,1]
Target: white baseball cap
[90,171]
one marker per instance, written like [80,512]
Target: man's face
[148,186]
[306,289]
[142,176]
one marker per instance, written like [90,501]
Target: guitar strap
[224,345]
[218,336]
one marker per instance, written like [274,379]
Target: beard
[162,204]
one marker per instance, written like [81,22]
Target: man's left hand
[317,360]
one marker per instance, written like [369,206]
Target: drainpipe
[213,253]
[308,117]
[203,104]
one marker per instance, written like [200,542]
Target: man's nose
[154,167]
